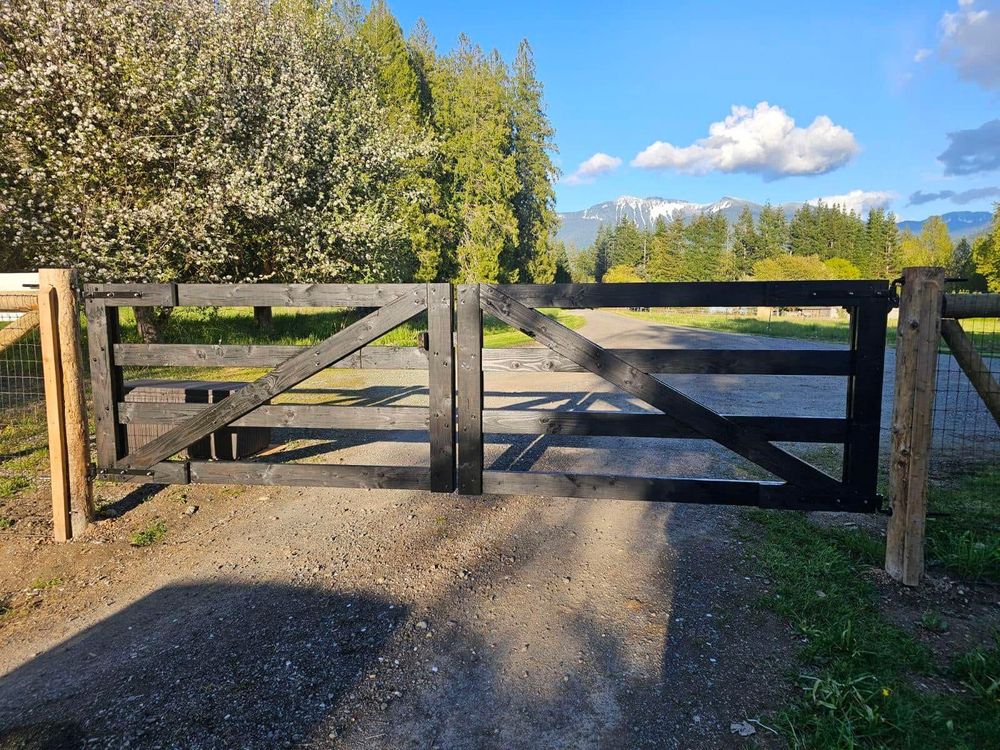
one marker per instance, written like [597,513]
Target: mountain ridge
[579,228]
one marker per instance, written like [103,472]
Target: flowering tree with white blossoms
[173,140]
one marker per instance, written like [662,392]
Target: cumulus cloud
[592,168]
[969,40]
[971,151]
[762,140]
[961,198]
[859,201]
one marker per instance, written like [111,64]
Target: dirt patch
[324,618]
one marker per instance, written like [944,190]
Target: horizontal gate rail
[652,425]
[698,294]
[320,416]
[680,361]
[262,355]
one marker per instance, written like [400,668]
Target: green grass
[963,536]
[150,535]
[23,451]
[859,682]
[6,524]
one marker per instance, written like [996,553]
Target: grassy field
[985,332]
[867,682]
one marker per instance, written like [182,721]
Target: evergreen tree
[603,251]
[879,255]
[666,250]
[534,204]
[473,116]
[747,245]
[986,251]
[773,231]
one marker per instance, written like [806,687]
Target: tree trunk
[263,318]
[148,324]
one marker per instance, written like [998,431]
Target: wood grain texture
[292,295]
[311,475]
[299,416]
[971,306]
[470,390]
[55,408]
[695,294]
[131,295]
[623,424]
[864,395]
[916,372]
[71,364]
[286,375]
[441,386]
[743,441]
[694,361]
[105,380]
[253,355]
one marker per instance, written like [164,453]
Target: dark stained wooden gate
[799,484]
[250,405]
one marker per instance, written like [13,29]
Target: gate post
[912,420]
[470,391]
[69,452]
[441,386]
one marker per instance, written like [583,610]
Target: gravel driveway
[389,619]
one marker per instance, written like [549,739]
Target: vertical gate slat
[441,387]
[864,395]
[470,391]
[106,379]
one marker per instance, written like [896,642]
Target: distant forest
[818,242]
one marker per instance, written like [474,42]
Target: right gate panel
[641,396]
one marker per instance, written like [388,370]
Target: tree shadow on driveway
[199,665]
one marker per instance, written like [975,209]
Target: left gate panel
[285,389]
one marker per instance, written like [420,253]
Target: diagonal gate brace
[288,374]
[740,439]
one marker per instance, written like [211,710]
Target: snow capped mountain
[579,228]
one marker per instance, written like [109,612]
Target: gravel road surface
[332,618]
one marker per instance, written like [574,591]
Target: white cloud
[922,54]
[592,168]
[762,140]
[969,40]
[859,201]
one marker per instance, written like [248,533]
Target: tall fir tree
[747,245]
[534,144]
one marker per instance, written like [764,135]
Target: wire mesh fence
[22,395]
[966,436]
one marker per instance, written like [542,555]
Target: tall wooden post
[59,328]
[916,372]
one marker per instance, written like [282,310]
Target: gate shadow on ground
[231,665]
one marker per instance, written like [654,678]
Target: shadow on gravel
[204,665]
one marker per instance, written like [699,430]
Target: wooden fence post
[59,328]
[916,372]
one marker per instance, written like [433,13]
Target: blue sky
[888,80]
